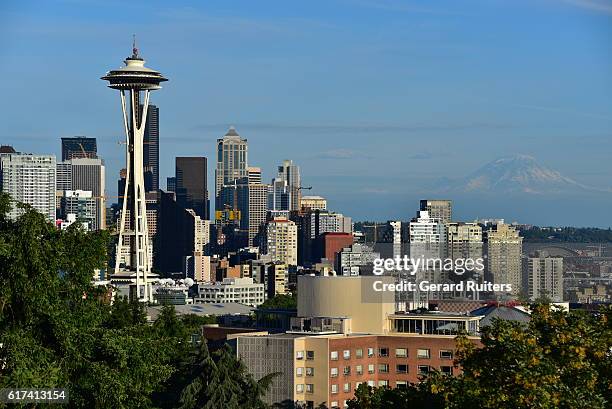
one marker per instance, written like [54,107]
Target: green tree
[56,331]
[220,380]
[281,302]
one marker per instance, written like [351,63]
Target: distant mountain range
[516,174]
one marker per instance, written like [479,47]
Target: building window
[309,388]
[333,355]
[423,353]
[334,388]
[383,368]
[347,370]
[299,388]
[401,352]
[401,384]
[447,370]
[383,383]
[359,369]
[446,354]
[333,372]
[359,353]
[310,355]
[383,352]
[299,354]
[401,368]
[347,387]
[346,354]
[309,371]
[423,369]
[370,352]
[371,368]
[371,383]
[299,371]
[334,405]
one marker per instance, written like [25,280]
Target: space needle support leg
[146,259]
[140,209]
[120,244]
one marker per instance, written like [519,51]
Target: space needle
[134,252]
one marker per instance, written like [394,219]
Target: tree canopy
[57,330]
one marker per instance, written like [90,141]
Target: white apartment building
[235,290]
[329,222]
[29,179]
[425,229]
[543,277]
[354,260]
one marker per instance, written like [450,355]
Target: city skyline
[440,120]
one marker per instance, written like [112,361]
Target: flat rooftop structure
[204,310]
[434,323]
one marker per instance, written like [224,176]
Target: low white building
[234,290]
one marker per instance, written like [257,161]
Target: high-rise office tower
[232,159]
[543,277]
[29,179]
[427,236]
[151,149]
[254,174]
[504,249]
[290,173]
[438,209]
[191,185]
[278,197]
[171,184]
[136,254]
[63,178]
[182,233]
[250,200]
[81,204]
[85,174]
[79,147]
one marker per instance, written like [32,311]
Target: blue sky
[374,99]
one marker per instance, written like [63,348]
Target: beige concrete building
[442,210]
[281,241]
[313,202]
[319,296]
[504,249]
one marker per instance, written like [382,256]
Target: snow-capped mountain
[518,173]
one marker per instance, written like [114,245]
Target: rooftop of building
[434,314]
[313,198]
[208,309]
[231,132]
[503,312]
[7,149]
